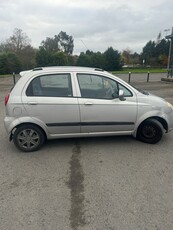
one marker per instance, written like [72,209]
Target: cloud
[98,24]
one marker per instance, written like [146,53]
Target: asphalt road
[112,183]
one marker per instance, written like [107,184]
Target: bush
[9,63]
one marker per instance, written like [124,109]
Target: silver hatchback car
[61,102]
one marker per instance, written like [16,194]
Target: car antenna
[84,45]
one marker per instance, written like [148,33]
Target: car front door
[100,107]
[49,99]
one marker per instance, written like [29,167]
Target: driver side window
[127,93]
[96,86]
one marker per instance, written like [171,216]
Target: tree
[27,57]
[19,44]
[66,42]
[109,60]
[113,59]
[42,57]
[149,53]
[130,59]
[46,58]
[16,43]
[61,42]
[156,54]
[9,63]
[134,58]
[72,60]
[98,60]
[162,48]
[50,44]
[84,60]
[163,60]
[59,59]
[56,50]
[126,56]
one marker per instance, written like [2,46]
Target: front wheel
[28,138]
[150,131]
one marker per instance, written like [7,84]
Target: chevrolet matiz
[64,102]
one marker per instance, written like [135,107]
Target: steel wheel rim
[149,132]
[28,139]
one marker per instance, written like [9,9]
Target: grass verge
[138,70]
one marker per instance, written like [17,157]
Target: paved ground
[114,183]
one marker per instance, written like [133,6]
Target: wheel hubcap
[28,139]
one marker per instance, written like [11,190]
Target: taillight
[6,98]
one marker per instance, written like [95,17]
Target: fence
[147,77]
[141,77]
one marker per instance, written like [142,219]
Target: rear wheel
[150,131]
[28,138]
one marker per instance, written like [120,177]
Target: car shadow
[89,140]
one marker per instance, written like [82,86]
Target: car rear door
[49,99]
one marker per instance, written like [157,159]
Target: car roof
[61,68]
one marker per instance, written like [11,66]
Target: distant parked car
[60,102]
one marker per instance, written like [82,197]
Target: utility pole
[170,58]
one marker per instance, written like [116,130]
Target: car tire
[150,131]
[28,138]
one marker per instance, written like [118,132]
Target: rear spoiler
[24,72]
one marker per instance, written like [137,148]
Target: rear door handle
[88,103]
[32,103]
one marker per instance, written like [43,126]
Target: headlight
[170,105]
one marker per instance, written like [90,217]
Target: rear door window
[54,85]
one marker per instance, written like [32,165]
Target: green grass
[140,70]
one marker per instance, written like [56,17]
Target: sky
[94,24]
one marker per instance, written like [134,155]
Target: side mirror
[121,95]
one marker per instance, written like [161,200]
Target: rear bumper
[7,123]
